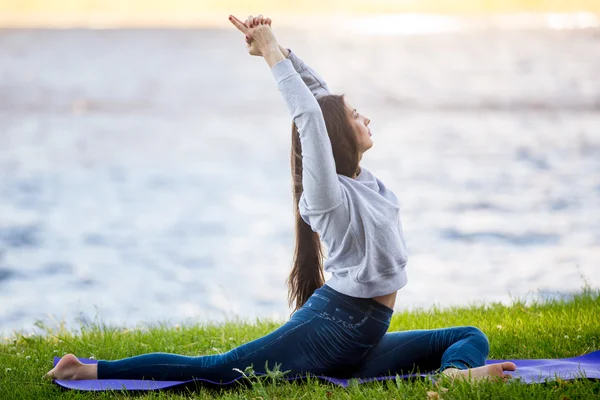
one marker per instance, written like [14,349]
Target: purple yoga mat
[529,371]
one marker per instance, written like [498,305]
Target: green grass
[539,329]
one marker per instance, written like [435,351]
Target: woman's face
[360,124]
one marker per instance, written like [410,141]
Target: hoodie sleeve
[322,191]
[315,83]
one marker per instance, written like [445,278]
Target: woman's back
[364,237]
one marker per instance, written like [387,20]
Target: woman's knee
[478,338]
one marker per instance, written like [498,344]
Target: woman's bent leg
[413,351]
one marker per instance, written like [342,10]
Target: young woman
[339,328]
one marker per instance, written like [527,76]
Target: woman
[339,327]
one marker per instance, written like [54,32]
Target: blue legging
[332,334]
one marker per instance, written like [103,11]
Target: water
[144,174]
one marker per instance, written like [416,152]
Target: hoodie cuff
[283,70]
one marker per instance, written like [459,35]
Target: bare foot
[491,371]
[70,368]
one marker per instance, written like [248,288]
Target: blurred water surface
[144,174]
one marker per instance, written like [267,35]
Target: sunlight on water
[407,24]
[427,24]
[572,21]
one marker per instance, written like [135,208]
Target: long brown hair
[307,270]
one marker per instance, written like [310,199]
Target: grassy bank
[549,329]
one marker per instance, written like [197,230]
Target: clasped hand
[260,39]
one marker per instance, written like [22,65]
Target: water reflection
[163,193]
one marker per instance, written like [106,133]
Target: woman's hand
[254,22]
[260,39]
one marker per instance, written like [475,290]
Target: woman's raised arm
[315,83]
[322,191]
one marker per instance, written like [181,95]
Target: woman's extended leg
[218,367]
[330,334]
[405,352]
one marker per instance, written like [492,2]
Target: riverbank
[549,329]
